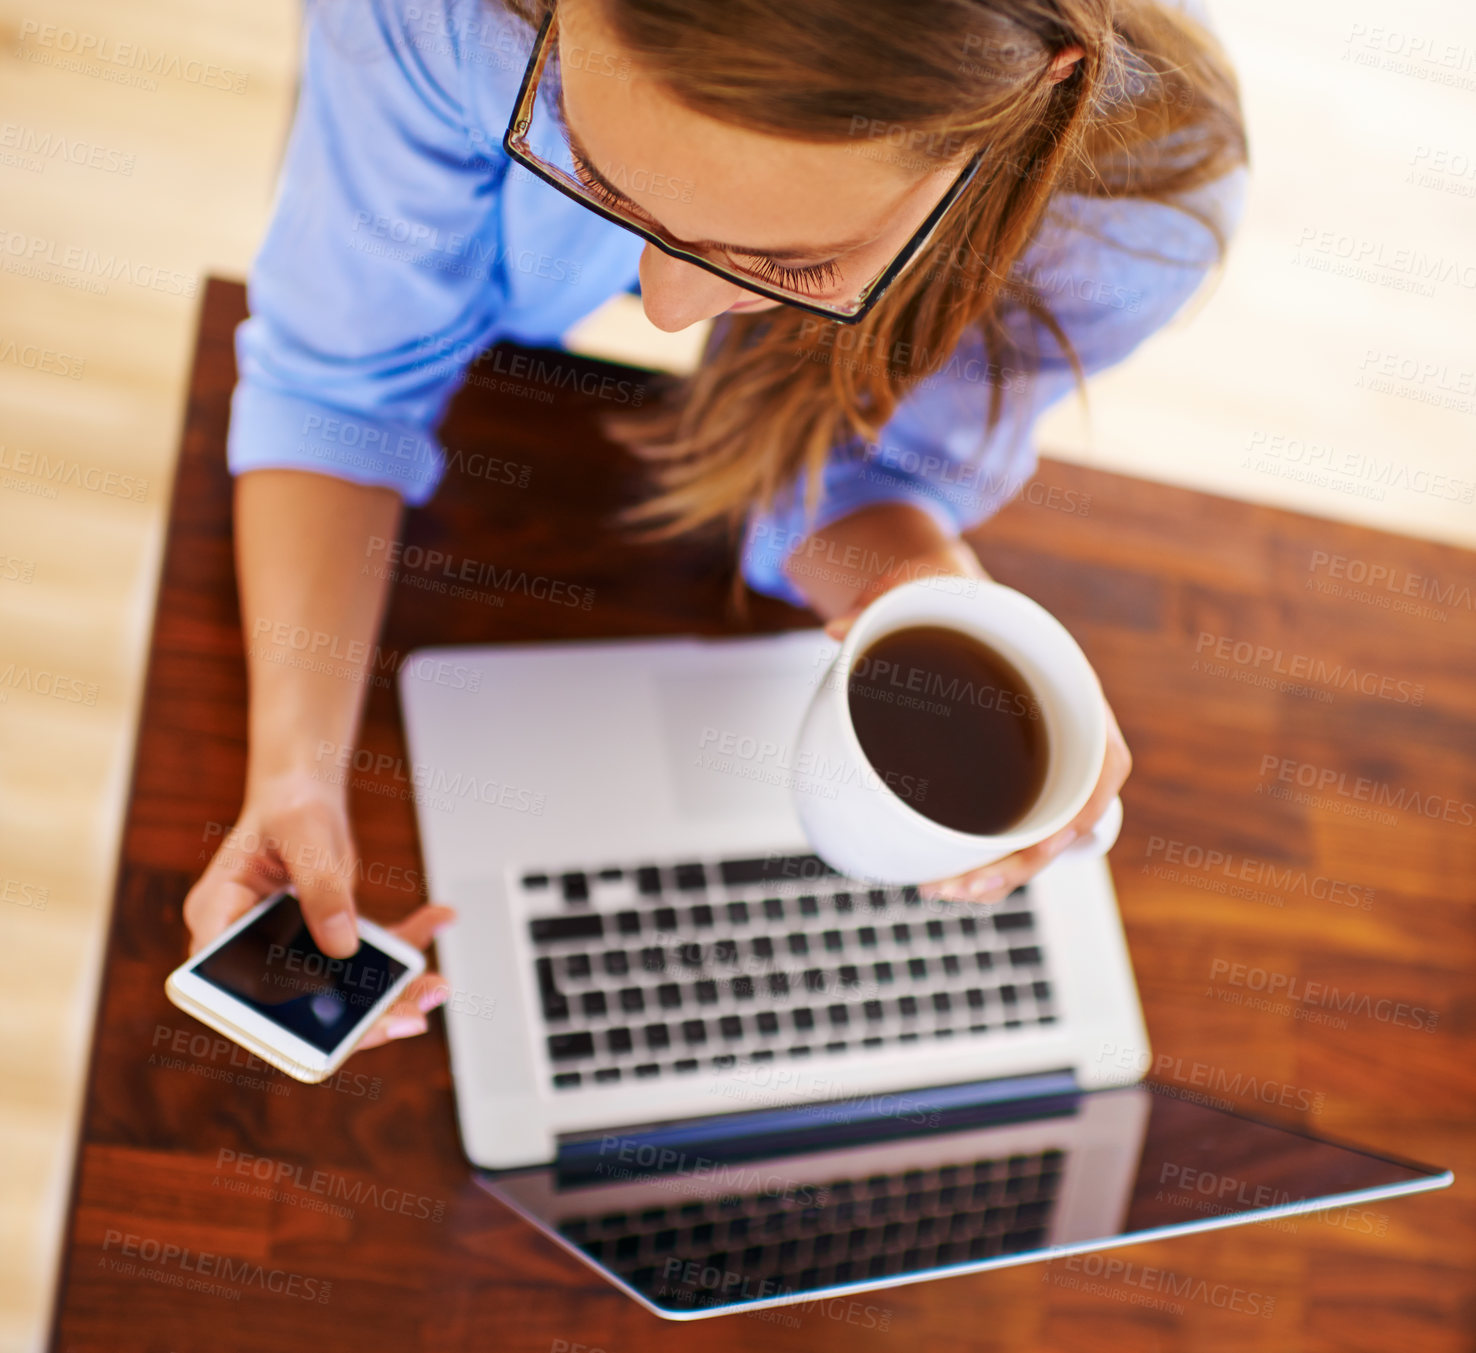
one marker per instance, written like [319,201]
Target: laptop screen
[699,1225]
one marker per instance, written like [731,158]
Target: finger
[839,626]
[213,903]
[420,927]
[322,860]
[407,1016]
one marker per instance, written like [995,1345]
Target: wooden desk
[1160,585]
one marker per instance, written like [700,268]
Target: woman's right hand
[294,833]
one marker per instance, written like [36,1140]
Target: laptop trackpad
[732,740]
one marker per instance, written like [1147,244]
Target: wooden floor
[176,179]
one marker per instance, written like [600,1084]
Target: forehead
[745,185]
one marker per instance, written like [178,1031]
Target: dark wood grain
[1140,573]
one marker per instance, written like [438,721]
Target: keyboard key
[742,988]
[576,887]
[917,967]
[877,899]
[772,868]
[975,998]
[778,984]
[616,964]
[646,1069]
[555,1004]
[941,1002]
[669,995]
[725,951]
[832,940]
[689,954]
[648,881]
[628,922]
[1008,994]
[532,881]
[700,915]
[935,930]
[1014,920]
[768,1022]
[737,913]
[866,937]
[761,946]
[549,929]
[658,1036]
[839,1016]
[843,902]
[968,925]
[731,1026]
[873,1010]
[723,1061]
[809,905]
[1041,990]
[611,875]
[694,1031]
[665,918]
[951,965]
[632,1000]
[907,1005]
[985,960]
[774,908]
[686,1064]
[618,1041]
[902,933]
[839,1046]
[567,1080]
[803,1018]
[593,1003]
[814,979]
[911,896]
[577,966]
[882,971]
[653,959]
[563,1047]
[1025,955]
[689,876]
[800,1050]
[707,992]
[848,975]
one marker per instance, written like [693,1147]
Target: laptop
[726,1076]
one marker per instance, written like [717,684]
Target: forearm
[310,595]
[861,554]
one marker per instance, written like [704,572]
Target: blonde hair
[1150,111]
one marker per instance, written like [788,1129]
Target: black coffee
[951,727]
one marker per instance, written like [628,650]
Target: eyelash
[814,275]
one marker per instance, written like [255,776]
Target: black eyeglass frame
[855,311]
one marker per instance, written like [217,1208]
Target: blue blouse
[403,242]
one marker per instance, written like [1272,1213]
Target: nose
[676,294]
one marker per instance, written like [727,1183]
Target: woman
[952,211]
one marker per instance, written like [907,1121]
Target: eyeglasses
[544,120]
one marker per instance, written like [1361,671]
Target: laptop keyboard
[848,1230]
[659,970]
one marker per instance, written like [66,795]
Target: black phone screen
[274,967]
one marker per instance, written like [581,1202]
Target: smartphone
[266,985]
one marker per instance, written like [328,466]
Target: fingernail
[987,884]
[431,999]
[405,1026]
[341,933]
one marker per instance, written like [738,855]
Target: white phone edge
[222,1012]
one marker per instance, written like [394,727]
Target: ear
[1065,62]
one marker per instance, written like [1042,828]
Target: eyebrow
[791,253]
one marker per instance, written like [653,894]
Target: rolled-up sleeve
[1112,272]
[377,280]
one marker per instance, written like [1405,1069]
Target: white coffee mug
[857,823]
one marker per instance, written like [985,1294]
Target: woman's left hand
[1000,878]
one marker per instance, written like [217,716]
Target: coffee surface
[951,726]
